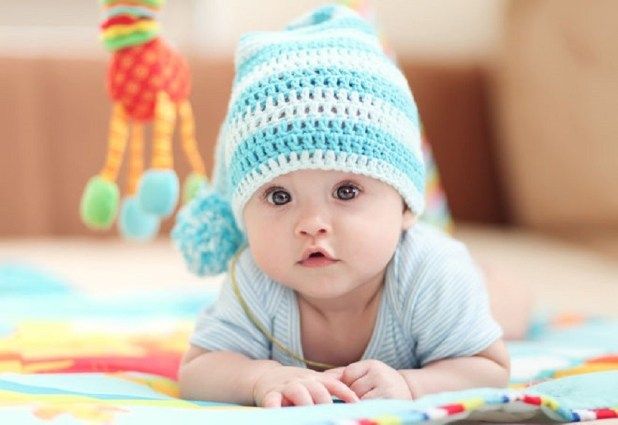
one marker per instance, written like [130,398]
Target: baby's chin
[323,294]
[321,287]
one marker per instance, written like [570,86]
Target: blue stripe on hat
[256,95]
[330,16]
[328,134]
[354,23]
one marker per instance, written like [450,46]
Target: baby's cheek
[272,257]
[383,241]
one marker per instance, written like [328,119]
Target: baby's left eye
[346,192]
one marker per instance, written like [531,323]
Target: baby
[334,289]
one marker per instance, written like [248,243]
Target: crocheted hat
[319,95]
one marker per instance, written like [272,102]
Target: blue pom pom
[158,192]
[206,234]
[136,224]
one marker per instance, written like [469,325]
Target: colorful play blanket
[68,357]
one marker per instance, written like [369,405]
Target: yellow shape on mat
[473,404]
[47,366]
[586,368]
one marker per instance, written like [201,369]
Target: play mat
[68,357]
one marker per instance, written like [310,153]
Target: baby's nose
[312,225]
[312,232]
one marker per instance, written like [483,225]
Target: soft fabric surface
[66,357]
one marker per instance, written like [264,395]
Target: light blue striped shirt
[434,306]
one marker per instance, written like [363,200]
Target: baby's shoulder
[424,244]
[426,256]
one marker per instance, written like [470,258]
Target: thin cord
[261,327]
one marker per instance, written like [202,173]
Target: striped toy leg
[134,223]
[197,179]
[99,202]
[136,157]
[118,133]
[159,187]
[165,119]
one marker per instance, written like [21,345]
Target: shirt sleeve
[450,314]
[224,325]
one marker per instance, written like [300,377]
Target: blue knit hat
[319,95]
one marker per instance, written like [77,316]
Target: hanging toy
[148,83]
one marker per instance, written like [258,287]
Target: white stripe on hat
[252,42]
[310,59]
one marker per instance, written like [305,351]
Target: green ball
[192,185]
[99,203]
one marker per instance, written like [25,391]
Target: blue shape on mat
[594,332]
[20,279]
[156,304]
[29,388]
[29,294]
[586,391]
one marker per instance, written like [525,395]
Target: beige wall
[450,29]
[446,29]
[559,113]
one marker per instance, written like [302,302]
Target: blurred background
[519,101]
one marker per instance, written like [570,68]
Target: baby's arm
[234,378]
[374,379]
[456,340]
[220,375]
[489,368]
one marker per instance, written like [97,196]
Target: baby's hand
[372,379]
[294,386]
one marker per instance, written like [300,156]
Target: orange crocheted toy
[148,82]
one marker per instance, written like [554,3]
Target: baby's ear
[408,219]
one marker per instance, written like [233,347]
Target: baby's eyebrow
[271,186]
[345,178]
[351,177]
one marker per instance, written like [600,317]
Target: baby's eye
[278,197]
[346,192]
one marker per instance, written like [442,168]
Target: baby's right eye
[278,197]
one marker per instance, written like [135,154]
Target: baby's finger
[272,399]
[286,402]
[335,372]
[298,394]
[341,390]
[362,386]
[354,371]
[319,393]
[373,394]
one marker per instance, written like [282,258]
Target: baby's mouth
[317,259]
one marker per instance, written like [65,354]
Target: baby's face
[354,220]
